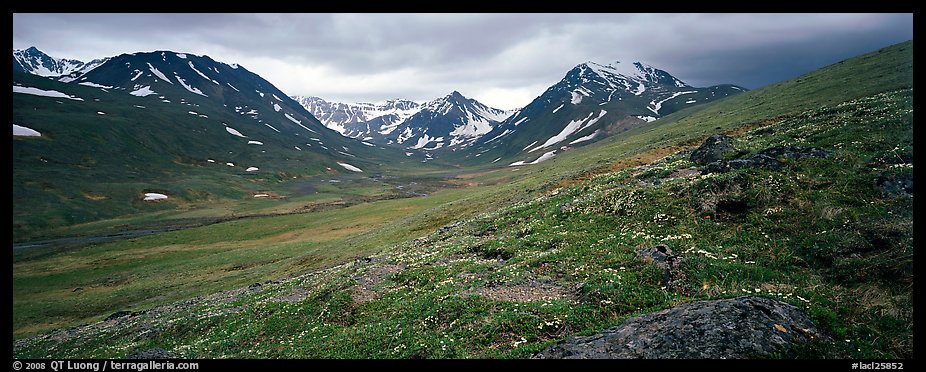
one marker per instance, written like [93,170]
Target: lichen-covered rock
[742,327]
[713,149]
[661,256]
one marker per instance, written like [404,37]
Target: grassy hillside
[546,251]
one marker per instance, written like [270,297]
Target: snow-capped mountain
[354,119]
[36,62]
[591,102]
[450,122]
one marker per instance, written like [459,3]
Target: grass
[542,253]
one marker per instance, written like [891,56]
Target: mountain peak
[636,71]
[36,62]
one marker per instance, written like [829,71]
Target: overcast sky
[503,60]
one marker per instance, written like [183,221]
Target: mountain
[355,120]
[184,125]
[36,62]
[450,122]
[591,102]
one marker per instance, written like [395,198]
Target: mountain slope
[178,124]
[591,102]
[36,62]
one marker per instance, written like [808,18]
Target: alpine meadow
[171,205]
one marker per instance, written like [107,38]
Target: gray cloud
[502,59]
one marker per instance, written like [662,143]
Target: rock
[742,327]
[255,286]
[767,159]
[119,314]
[156,353]
[894,185]
[713,149]
[661,256]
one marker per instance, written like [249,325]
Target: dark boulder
[894,185]
[156,353]
[742,327]
[767,159]
[713,149]
[119,314]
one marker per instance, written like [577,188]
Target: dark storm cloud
[503,59]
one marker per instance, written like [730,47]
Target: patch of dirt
[365,289]
[296,296]
[678,173]
[526,292]
[93,196]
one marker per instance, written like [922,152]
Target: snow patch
[425,140]
[647,118]
[189,88]
[656,106]
[143,91]
[95,85]
[158,73]
[271,127]
[230,164]
[556,109]
[25,131]
[276,107]
[574,126]
[532,143]
[235,132]
[546,156]
[506,132]
[297,122]
[252,169]
[252,142]
[585,138]
[43,93]
[576,98]
[201,74]
[149,196]
[524,119]
[350,167]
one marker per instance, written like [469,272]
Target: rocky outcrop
[743,327]
[713,149]
[767,159]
